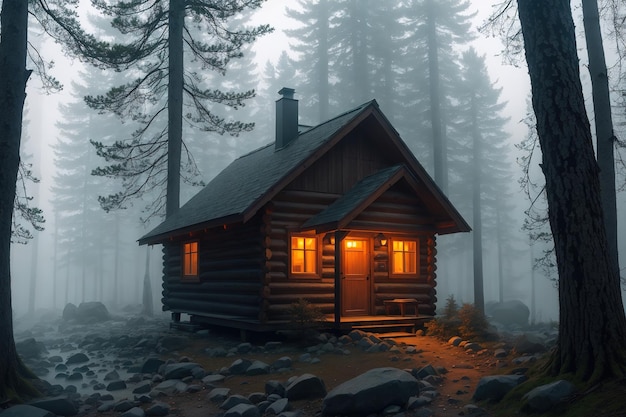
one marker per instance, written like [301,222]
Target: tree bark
[439,140]
[592,326]
[477,226]
[13,78]
[174,105]
[603,120]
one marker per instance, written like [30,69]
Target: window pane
[303,255]
[190,259]
[309,261]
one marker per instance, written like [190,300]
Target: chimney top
[286,118]
[287,92]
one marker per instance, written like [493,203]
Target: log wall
[231,272]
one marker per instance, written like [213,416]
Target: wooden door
[355,282]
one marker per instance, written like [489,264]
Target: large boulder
[60,406]
[371,392]
[304,387]
[179,370]
[70,312]
[92,312]
[545,397]
[30,348]
[22,410]
[495,387]
[530,343]
[509,313]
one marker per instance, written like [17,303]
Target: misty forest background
[336,54]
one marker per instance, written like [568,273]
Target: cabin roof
[250,181]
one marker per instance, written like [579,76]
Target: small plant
[467,322]
[305,316]
[473,323]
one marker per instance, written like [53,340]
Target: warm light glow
[354,244]
[190,259]
[404,256]
[303,255]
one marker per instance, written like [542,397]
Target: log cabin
[341,215]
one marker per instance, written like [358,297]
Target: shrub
[304,315]
[467,322]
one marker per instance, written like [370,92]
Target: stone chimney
[286,118]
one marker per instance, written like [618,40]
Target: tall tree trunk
[174,105]
[322,60]
[605,137]
[500,260]
[359,52]
[439,145]
[148,308]
[592,326]
[13,79]
[477,226]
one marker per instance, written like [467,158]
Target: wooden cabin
[340,214]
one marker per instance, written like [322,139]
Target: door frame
[368,286]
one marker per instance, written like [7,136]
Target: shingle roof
[345,206]
[250,178]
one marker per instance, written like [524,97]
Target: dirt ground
[455,390]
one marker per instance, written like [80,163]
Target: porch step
[386,328]
[185,326]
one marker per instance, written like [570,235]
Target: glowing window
[190,260]
[303,255]
[404,256]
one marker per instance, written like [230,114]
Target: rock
[425,371]
[218,395]
[92,312]
[513,312]
[179,370]
[212,379]
[171,387]
[30,348]
[22,410]
[495,387]
[151,365]
[243,410]
[244,348]
[239,367]
[282,363]
[116,385]
[278,407]
[258,368]
[112,376]
[529,344]
[545,397]
[134,412]
[77,358]
[59,406]
[158,409]
[257,397]
[370,392]
[123,405]
[274,387]
[143,388]
[306,386]
[234,400]
[69,312]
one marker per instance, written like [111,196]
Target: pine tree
[151,159]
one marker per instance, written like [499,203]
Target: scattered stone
[112,376]
[278,407]
[545,397]
[243,410]
[258,368]
[495,387]
[92,312]
[212,379]
[171,342]
[77,358]
[274,387]
[306,386]
[239,367]
[134,412]
[30,348]
[123,405]
[116,385]
[218,395]
[282,363]
[59,406]
[143,388]
[529,344]
[151,365]
[370,392]
[171,387]
[179,370]
[158,409]
[234,400]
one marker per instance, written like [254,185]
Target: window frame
[318,257]
[184,255]
[392,259]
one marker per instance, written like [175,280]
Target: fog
[87,254]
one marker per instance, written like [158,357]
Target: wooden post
[339,235]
